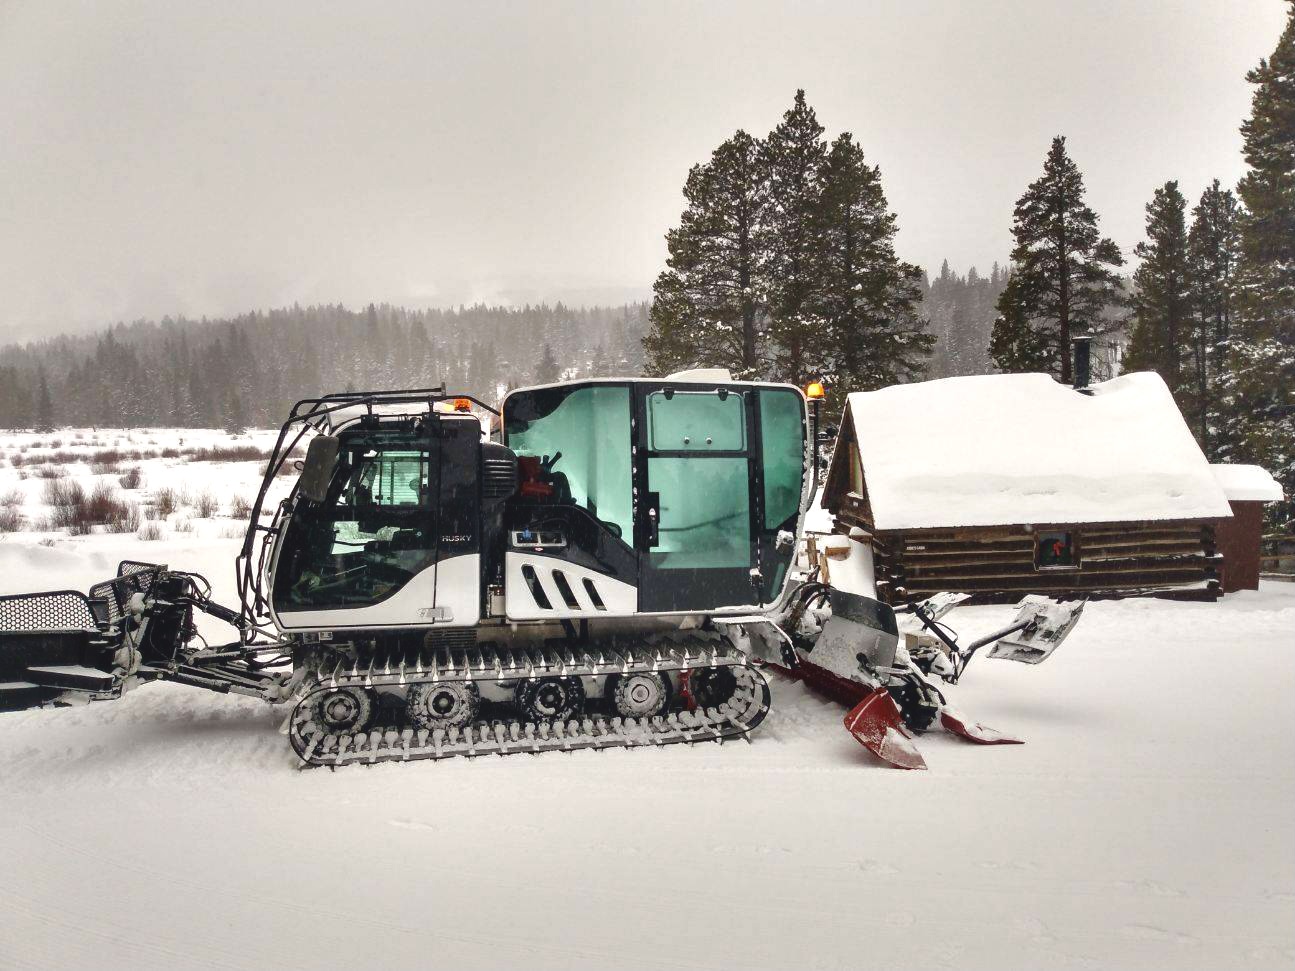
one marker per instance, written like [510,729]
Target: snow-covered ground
[1148,821]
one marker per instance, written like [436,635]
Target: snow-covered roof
[1247,483]
[1003,449]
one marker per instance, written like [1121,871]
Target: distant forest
[247,371]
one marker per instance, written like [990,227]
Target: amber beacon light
[814,390]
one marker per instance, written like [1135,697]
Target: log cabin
[1004,485]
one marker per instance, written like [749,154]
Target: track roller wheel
[639,695]
[551,699]
[711,687]
[342,710]
[446,704]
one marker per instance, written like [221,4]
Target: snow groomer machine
[597,564]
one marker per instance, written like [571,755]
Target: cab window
[580,440]
[373,532]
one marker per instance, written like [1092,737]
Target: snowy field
[1149,821]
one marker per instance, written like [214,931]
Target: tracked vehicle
[605,563]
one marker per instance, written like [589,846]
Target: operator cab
[606,498]
[389,535]
[653,496]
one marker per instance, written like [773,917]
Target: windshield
[373,532]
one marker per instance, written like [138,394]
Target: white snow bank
[1246,483]
[1144,824]
[1021,448]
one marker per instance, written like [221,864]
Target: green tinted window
[782,452]
[705,513]
[696,421]
[704,496]
[397,478]
[588,430]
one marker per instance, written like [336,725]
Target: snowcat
[613,563]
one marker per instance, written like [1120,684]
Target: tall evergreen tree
[1261,350]
[1161,338]
[793,157]
[1062,277]
[1014,345]
[1213,251]
[548,370]
[44,404]
[866,297]
[708,306]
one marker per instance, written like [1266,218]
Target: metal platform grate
[132,578]
[60,610]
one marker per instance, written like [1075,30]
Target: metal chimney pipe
[1083,370]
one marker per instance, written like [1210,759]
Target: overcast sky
[206,158]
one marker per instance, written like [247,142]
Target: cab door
[720,472]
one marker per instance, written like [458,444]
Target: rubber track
[677,651]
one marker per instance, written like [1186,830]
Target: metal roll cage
[310,416]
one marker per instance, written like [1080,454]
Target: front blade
[1050,623]
[878,726]
[956,723]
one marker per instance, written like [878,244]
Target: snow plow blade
[956,723]
[1049,623]
[879,727]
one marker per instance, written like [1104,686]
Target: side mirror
[317,471]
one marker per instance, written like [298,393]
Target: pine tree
[1060,269]
[1161,337]
[865,296]
[707,307]
[793,157]
[44,404]
[548,370]
[1261,351]
[1213,251]
[234,414]
[1014,345]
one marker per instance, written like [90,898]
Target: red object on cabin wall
[1238,539]
[531,472]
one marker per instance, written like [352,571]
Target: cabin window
[689,421]
[782,456]
[703,487]
[582,436]
[1055,550]
[372,534]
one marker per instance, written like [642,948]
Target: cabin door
[694,526]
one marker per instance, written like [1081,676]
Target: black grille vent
[499,479]
[460,638]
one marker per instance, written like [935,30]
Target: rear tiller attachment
[66,648]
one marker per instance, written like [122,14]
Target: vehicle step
[71,676]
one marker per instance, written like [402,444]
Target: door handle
[652,530]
